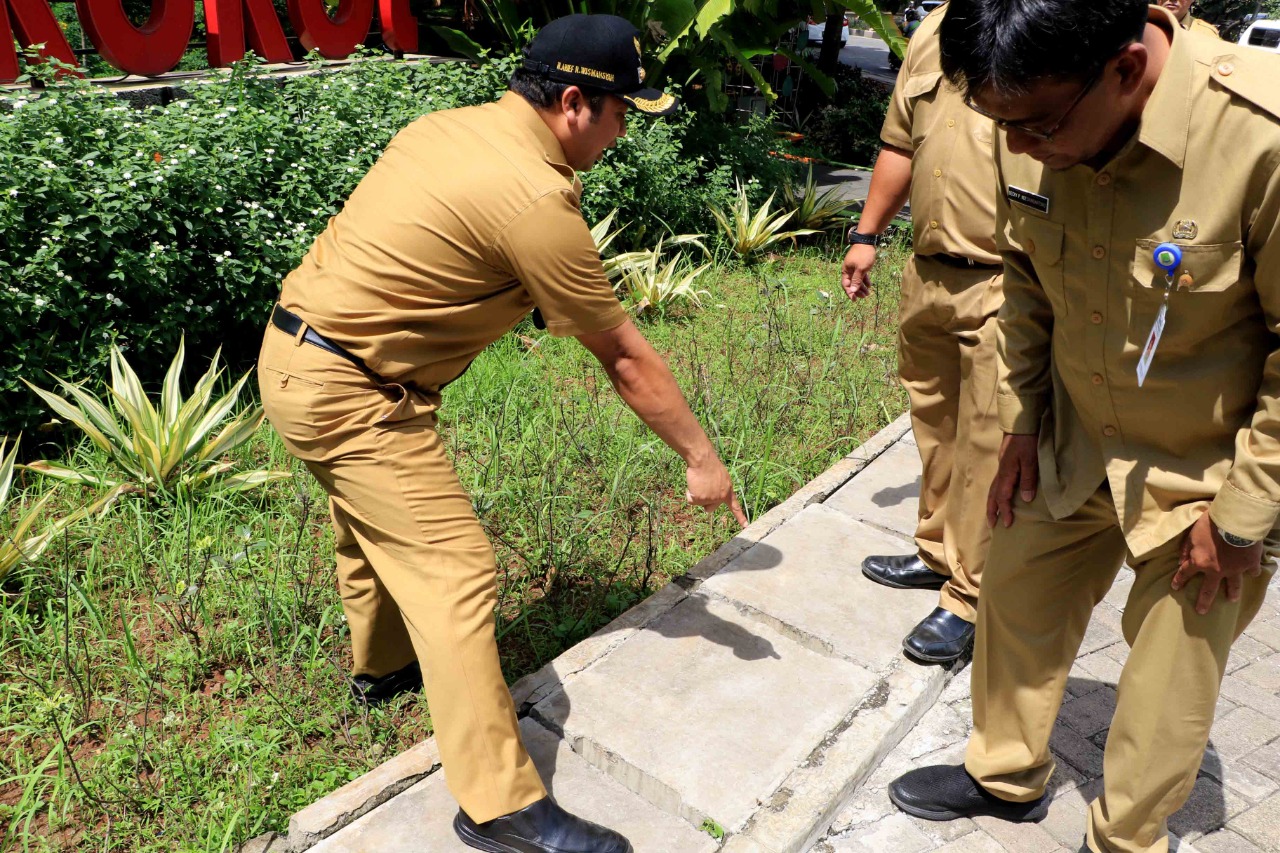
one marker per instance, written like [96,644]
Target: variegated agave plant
[19,541]
[172,447]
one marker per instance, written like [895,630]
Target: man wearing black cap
[468,222]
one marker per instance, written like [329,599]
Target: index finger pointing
[735,506]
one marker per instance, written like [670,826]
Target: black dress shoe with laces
[375,691]
[947,792]
[543,827]
[941,637]
[907,571]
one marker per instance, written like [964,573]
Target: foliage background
[138,226]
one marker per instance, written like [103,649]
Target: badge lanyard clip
[1168,256]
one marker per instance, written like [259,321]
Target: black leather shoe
[375,691]
[941,637]
[903,572]
[543,827]
[947,792]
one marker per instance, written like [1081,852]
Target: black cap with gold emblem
[598,51]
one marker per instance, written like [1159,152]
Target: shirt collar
[527,118]
[1166,118]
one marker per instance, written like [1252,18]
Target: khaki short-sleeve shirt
[468,221]
[1191,22]
[1083,291]
[953,195]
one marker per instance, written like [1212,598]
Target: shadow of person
[895,495]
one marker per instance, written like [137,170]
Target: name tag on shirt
[1027,198]
[1153,341]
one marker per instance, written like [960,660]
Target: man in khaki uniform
[1181,10]
[1141,406]
[939,151]
[468,222]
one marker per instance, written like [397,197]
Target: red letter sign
[399,27]
[335,38]
[153,48]
[226,19]
[36,25]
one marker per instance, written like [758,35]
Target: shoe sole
[488,845]
[1036,815]
[871,576]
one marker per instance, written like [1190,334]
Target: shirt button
[1225,69]
[1095,318]
[1030,246]
[952,122]
[1108,431]
[1097,379]
[933,224]
[1104,179]
[1099,252]
[937,173]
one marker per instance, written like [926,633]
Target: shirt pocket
[1206,269]
[1041,241]
[920,85]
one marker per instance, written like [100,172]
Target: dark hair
[1007,44]
[911,15]
[543,93]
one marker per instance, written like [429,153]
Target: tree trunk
[829,57]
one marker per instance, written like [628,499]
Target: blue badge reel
[1168,257]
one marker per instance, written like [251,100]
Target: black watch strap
[858,239]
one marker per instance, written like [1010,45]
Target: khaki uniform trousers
[1042,581]
[416,573]
[947,361]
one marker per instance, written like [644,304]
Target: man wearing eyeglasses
[1139,221]
[939,152]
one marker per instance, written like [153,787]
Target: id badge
[1153,341]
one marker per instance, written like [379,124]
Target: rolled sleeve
[549,250]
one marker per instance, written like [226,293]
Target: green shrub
[137,226]
[847,127]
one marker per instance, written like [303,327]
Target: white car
[817,25]
[1262,34]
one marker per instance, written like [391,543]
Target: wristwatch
[1235,541]
[858,239]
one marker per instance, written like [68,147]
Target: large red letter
[153,48]
[399,27]
[35,25]
[335,38]
[226,18]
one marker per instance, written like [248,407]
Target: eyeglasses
[1042,135]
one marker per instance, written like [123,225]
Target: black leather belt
[290,323]
[961,262]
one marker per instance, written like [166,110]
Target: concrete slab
[705,711]
[421,819]
[886,494]
[805,579]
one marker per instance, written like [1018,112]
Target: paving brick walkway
[1234,808]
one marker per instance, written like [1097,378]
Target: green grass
[172,676]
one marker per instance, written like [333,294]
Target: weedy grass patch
[173,671]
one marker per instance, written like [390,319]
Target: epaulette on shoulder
[1250,75]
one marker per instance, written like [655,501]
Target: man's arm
[890,186]
[645,383]
[1024,340]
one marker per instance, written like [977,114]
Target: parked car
[1262,34]
[817,25]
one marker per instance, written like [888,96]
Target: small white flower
[58,140]
[40,303]
[226,254]
[13,192]
[218,209]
